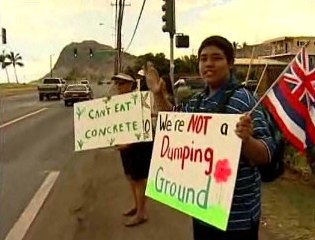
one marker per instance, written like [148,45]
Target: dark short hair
[221,43]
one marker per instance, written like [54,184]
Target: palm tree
[236,45]
[4,64]
[15,60]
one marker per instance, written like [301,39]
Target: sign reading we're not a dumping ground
[194,164]
[109,121]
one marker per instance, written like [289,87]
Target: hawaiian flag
[291,102]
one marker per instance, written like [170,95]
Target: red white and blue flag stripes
[291,101]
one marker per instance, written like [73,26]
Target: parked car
[85,82]
[105,81]
[51,87]
[76,93]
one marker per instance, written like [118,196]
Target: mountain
[97,67]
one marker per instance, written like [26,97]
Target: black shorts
[207,232]
[136,160]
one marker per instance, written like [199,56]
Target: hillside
[99,66]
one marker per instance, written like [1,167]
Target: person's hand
[154,83]
[244,128]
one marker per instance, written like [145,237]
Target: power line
[120,19]
[122,8]
[119,12]
[116,20]
[135,30]
[116,38]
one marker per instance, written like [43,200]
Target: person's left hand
[152,78]
[244,128]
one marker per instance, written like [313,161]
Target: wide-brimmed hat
[124,77]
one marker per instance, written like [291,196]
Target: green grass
[214,215]
[289,208]
[295,160]
[14,88]
[15,85]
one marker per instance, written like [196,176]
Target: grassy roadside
[288,207]
[9,89]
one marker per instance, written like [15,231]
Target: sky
[40,29]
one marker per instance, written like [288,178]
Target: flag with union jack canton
[291,101]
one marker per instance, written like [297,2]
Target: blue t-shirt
[247,194]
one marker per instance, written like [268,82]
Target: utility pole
[120,19]
[51,71]
[169,19]
[172,66]
[4,35]
[119,13]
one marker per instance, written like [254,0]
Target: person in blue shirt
[216,59]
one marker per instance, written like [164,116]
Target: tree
[195,63]
[159,60]
[236,45]
[72,75]
[130,71]
[186,65]
[15,60]
[141,61]
[162,64]
[4,64]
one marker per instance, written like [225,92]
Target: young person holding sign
[216,59]
[136,161]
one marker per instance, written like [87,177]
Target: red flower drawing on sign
[222,171]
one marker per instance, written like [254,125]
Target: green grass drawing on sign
[111,141]
[80,143]
[144,99]
[214,215]
[80,111]
[134,97]
[138,136]
[146,135]
[106,99]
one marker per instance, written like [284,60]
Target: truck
[51,87]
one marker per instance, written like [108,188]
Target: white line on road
[22,225]
[23,117]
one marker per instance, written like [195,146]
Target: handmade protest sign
[194,164]
[109,121]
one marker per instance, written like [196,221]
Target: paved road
[88,199]
[15,106]
[30,148]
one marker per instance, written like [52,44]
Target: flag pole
[261,77]
[249,66]
[276,81]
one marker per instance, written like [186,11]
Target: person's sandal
[130,212]
[135,222]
